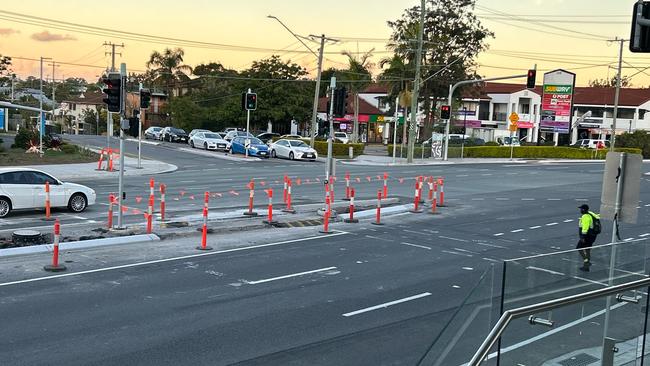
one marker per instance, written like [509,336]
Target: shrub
[338,149]
[24,137]
[491,143]
[639,139]
[69,149]
[540,152]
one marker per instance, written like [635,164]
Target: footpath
[374,160]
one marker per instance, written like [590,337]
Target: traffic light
[340,102]
[249,101]
[445,112]
[530,81]
[145,98]
[113,91]
[640,33]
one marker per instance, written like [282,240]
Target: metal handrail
[511,314]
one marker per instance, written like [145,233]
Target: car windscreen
[339,134]
[297,144]
[212,136]
[256,141]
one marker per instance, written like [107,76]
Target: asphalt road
[367,296]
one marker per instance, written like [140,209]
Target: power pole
[120,182]
[109,118]
[41,115]
[314,113]
[54,65]
[416,86]
[618,91]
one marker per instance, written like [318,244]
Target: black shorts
[587,242]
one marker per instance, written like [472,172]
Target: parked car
[256,148]
[509,141]
[222,135]
[24,189]
[341,137]
[195,131]
[591,144]
[208,141]
[232,134]
[292,149]
[153,133]
[266,137]
[229,129]
[294,137]
[173,134]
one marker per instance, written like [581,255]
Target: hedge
[521,152]
[338,149]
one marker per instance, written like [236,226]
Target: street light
[318,75]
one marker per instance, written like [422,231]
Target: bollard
[55,266]
[251,194]
[378,217]
[111,200]
[163,188]
[441,182]
[101,158]
[351,220]
[434,200]
[204,230]
[149,216]
[152,198]
[326,218]
[289,209]
[430,188]
[284,192]
[109,166]
[270,221]
[47,202]
[416,199]
[385,193]
[420,181]
[331,184]
[347,186]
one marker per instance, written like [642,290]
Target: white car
[232,134]
[195,131]
[292,149]
[208,141]
[24,189]
[342,137]
[153,133]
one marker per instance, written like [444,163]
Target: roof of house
[364,107]
[87,98]
[375,88]
[582,94]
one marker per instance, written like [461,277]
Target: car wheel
[291,155]
[273,155]
[205,145]
[230,151]
[78,203]
[5,206]
[191,144]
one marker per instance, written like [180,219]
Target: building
[73,110]
[155,115]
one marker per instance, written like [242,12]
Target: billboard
[557,101]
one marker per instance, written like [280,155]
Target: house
[74,108]
[372,119]
[155,115]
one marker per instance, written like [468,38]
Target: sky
[569,34]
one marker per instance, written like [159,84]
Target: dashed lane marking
[535,227]
[498,234]
[516,231]
[416,245]
[551,224]
[554,199]
[503,199]
[527,199]
[455,239]
[387,304]
[456,253]
[568,220]
[644,235]
[289,276]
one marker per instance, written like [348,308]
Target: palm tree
[168,68]
[359,77]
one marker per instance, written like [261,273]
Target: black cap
[584,207]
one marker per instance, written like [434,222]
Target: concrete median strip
[46,248]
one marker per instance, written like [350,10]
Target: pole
[248,122]
[140,134]
[612,258]
[330,138]
[617,93]
[314,113]
[416,87]
[40,114]
[462,145]
[109,118]
[395,119]
[512,144]
[13,76]
[120,182]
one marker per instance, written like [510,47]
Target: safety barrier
[204,229]
[351,219]
[326,218]
[385,192]
[163,189]
[288,201]
[47,202]
[269,219]
[55,266]
[378,215]
[251,194]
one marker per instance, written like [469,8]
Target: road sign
[247,143]
[513,126]
[514,118]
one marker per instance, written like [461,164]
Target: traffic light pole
[416,87]
[330,138]
[248,127]
[120,182]
[452,88]
[140,132]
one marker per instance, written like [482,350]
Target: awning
[525,125]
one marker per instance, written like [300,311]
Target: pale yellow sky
[514,49]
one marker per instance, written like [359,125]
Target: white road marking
[503,199]
[463,175]
[498,234]
[378,238]
[490,259]
[582,200]
[468,268]
[545,270]
[450,238]
[628,239]
[289,276]
[527,199]
[186,181]
[644,235]
[455,286]
[464,250]
[535,227]
[387,304]
[516,231]
[478,199]
[490,245]
[568,220]
[414,232]
[551,224]
[416,245]
[456,253]
[140,264]
[554,199]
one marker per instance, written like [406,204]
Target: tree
[626,82]
[168,70]
[397,75]
[5,65]
[357,78]
[90,117]
[453,38]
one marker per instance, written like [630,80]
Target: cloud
[46,36]
[8,31]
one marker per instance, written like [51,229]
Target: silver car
[292,149]
[208,141]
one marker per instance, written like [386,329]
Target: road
[368,295]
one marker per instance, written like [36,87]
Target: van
[590,144]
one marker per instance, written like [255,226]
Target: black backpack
[596,223]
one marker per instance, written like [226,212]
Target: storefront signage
[557,101]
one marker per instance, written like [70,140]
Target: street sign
[513,126]
[514,118]
[247,143]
